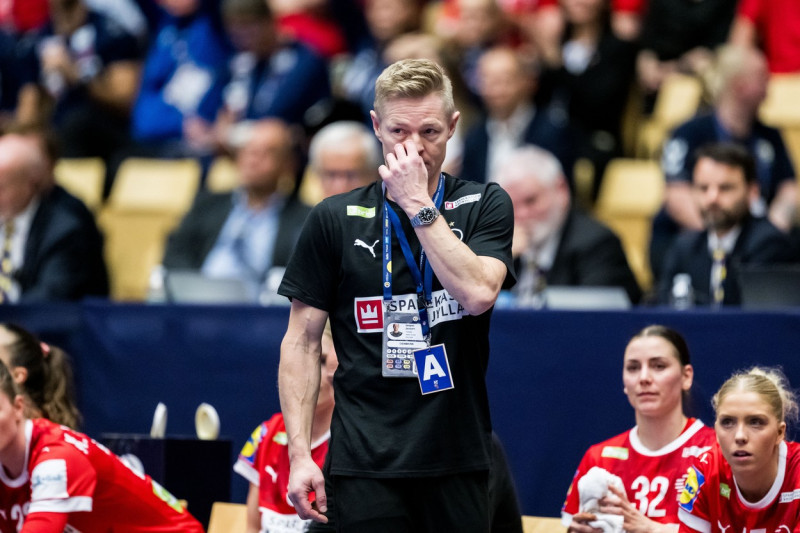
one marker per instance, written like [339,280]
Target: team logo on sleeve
[49,480]
[694,480]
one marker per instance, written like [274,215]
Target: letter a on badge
[432,368]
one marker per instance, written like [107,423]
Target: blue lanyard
[422,274]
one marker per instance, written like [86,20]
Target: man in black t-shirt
[411,434]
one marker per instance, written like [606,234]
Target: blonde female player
[750,482]
[652,458]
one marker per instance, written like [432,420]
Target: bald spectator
[555,243]
[739,85]
[51,247]
[506,86]
[344,156]
[250,232]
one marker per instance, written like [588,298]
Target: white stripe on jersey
[698,524]
[69,505]
[640,448]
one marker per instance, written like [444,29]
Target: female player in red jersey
[651,459]
[54,479]
[750,482]
[264,460]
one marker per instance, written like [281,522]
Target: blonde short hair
[413,78]
[769,383]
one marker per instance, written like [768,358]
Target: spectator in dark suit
[51,248]
[506,86]
[248,233]
[739,86]
[555,243]
[724,184]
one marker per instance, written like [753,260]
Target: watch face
[427,215]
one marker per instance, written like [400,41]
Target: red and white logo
[369,314]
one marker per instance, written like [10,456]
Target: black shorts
[458,502]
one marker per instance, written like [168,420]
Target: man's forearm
[299,376]
[474,281]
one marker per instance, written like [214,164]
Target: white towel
[592,488]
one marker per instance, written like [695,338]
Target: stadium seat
[677,101]
[630,195]
[539,524]
[791,137]
[83,177]
[167,185]
[222,175]
[134,244]
[227,518]
[781,108]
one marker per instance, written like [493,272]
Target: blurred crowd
[189,78]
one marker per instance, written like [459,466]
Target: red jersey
[653,479]
[67,472]
[711,500]
[264,462]
[777,23]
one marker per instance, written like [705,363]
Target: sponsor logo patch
[694,480]
[787,497]
[369,314]
[695,451]
[463,200]
[369,311]
[360,211]
[615,452]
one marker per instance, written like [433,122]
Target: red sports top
[264,462]
[70,475]
[653,479]
[711,500]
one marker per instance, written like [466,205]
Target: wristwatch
[425,216]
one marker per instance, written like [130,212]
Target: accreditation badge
[402,334]
[434,369]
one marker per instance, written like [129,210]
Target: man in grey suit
[248,233]
[555,243]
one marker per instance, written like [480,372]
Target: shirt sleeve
[495,230]
[312,269]
[246,462]
[572,503]
[44,523]
[63,482]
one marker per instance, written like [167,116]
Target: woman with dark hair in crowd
[43,374]
[751,480]
[650,461]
